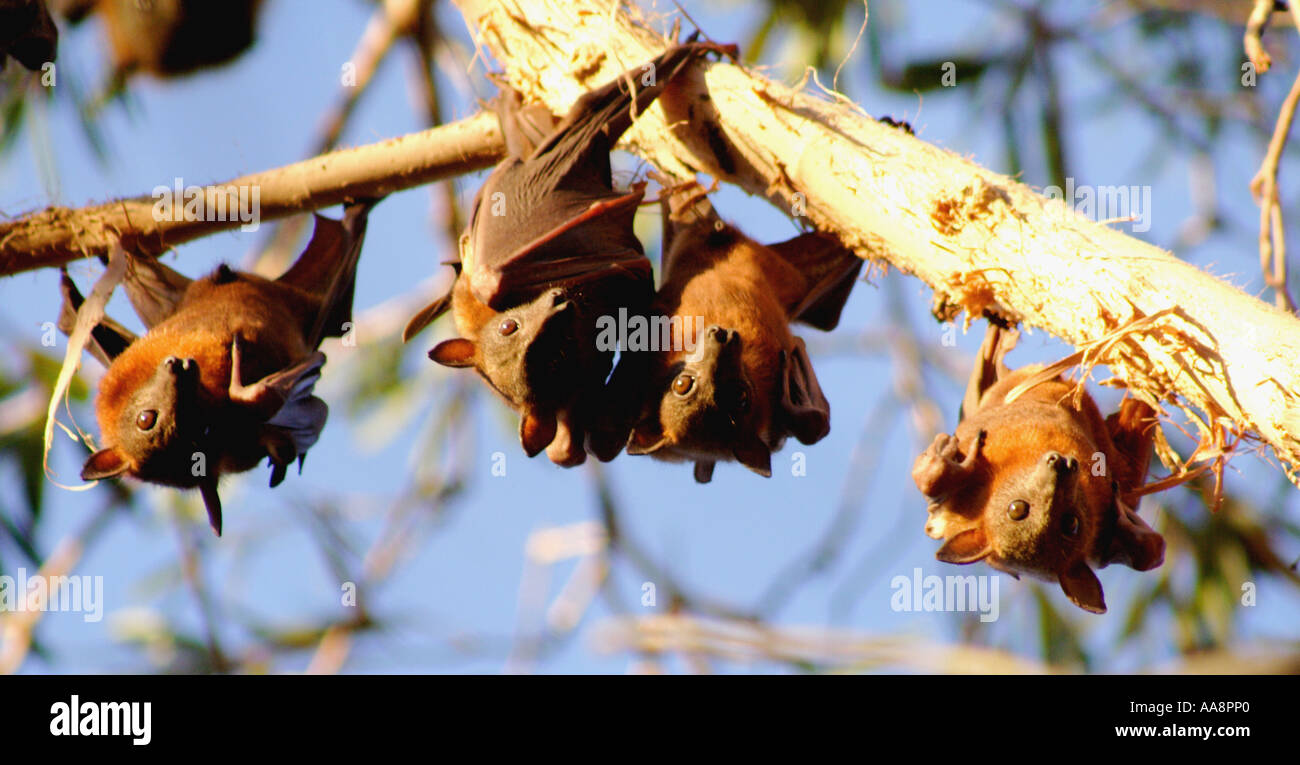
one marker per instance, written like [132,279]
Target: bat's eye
[1018,510]
[1070,525]
[683,384]
[742,401]
[146,419]
[508,327]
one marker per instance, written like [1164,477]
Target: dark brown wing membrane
[107,339]
[328,268]
[831,270]
[553,216]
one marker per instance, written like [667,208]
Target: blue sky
[727,540]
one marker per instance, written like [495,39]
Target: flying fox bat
[549,251]
[169,37]
[1041,485]
[27,33]
[224,376]
[729,380]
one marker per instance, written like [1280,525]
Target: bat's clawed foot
[941,468]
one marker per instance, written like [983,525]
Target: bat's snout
[721,335]
[1061,464]
[179,367]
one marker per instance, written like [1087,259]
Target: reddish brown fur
[745,287]
[1041,485]
[271,318]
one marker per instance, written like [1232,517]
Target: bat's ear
[647,437]
[967,546]
[426,316]
[755,455]
[1082,587]
[807,413]
[1135,544]
[153,289]
[536,431]
[457,352]
[704,471]
[105,463]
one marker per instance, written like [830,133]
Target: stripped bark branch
[57,235]
[984,242]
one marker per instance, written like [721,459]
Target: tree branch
[981,240]
[57,235]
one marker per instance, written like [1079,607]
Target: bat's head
[1044,513]
[527,354]
[707,405]
[154,433]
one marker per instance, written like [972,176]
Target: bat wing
[830,268]
[573,238]
[577,150]
[303,414]
[154,289]
[806,411]
[327,268]
[107,339]
[552,216]
[989,367]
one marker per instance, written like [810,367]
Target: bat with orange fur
[1041,485]
[550,250]
[168,38]
[225,374]
[729,380]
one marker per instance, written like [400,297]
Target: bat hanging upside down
[549,251]
[733,382]
[224,376]
[1041,485]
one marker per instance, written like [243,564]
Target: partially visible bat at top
[729,380]
[167,38]
[224,377]
[549,251]
[27,33]
[1041,485]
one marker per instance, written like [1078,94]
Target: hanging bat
[167,38]
[27,33]
[1041,485]
[549,251]
[225,374]
[731,382]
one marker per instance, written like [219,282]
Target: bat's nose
[179,366]
[1060,463]
[559,301]
[720,335]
